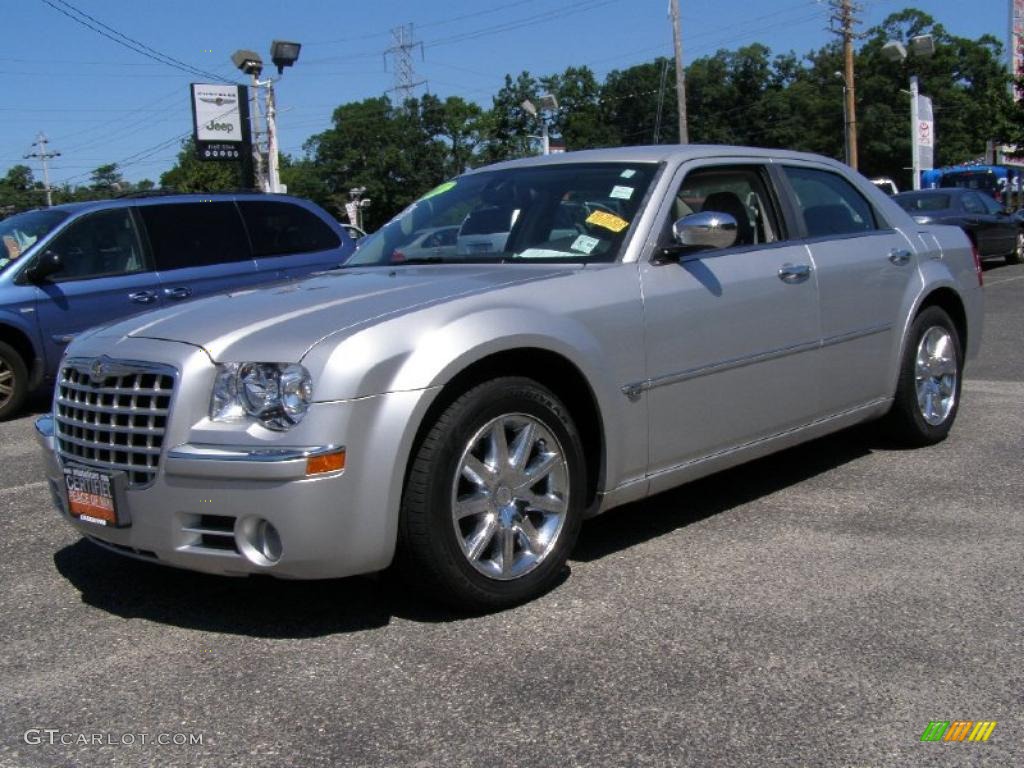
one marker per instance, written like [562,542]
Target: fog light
[268,541]
[259,541]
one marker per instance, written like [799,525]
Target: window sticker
[585,243]
[629,173]
[440,189]
[621,193]
[607,220]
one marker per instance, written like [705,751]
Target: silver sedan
[613,324]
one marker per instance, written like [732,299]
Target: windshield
[565,212]
[20,232]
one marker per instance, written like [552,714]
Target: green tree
[190,174]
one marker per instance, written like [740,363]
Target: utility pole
[677,36]
[843,14]
[405,71]
[41,142]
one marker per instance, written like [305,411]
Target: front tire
[931,373]
[494,497]
[13,381]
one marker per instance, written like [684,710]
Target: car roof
[164,198]
[658,153]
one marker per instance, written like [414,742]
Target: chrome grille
[112,415]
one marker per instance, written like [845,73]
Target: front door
[731,334]
[105,277]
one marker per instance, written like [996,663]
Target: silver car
[654,314]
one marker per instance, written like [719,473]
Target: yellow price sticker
[607,220]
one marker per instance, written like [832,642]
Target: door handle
[794,273]
[899,257]
[143,297]
[179,292]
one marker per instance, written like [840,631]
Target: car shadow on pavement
[635,523]
[261,606]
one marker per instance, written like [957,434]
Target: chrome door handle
[143,297]
[899,257]
[794,273]
[181,292]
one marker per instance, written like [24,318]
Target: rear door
[1000,228]
[289,241]
[864,269]
[199,248]
[106,276]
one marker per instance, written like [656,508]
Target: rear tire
[931,374]
[493,501]
[13,381]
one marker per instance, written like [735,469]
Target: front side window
[740,192]
[194,234]
[572,212]
[20,232]
[99,245]
[278,228]
[829,203]
[991,206]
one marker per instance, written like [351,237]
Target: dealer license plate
[90,495]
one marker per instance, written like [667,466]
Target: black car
[992,230]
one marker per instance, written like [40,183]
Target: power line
[81,17]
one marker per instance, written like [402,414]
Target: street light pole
[273,176]
[915,162]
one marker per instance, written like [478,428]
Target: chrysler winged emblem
[98,370]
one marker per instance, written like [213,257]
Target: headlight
[278,394]
[923,219]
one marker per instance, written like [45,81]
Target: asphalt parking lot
[816,608]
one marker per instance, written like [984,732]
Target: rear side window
[194,234]
[829,203]
[282,228]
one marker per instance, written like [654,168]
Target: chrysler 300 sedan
[647,316]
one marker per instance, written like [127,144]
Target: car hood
[281,322]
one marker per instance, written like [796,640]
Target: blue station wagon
[71,267]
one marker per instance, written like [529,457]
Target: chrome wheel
[935,375]
[6,382]
[510,496]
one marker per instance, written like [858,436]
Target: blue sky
[99,102]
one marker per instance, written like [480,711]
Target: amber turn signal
[328,462]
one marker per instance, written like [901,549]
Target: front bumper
[210,492]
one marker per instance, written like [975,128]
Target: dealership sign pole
[220,119]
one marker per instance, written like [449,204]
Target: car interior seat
[729,202]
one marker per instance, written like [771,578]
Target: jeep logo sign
[219,111]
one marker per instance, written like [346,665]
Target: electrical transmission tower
[843,20]
[405,72]
[44,155]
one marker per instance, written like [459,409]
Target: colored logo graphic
[958,730]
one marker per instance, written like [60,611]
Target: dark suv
[68,268]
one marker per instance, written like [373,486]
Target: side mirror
[47,263]
[707,229]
